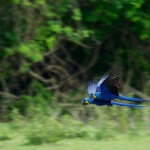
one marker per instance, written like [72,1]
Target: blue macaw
[106,90]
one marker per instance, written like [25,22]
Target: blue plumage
[106,90]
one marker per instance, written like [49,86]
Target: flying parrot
[106,91]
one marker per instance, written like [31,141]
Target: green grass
[22,134]
[120,143]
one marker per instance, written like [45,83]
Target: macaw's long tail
[132,99]
[129,98]
[127,105]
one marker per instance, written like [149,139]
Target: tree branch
[138,93]
[6,94]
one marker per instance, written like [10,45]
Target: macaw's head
[85,101]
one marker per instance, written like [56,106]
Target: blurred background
[49,50]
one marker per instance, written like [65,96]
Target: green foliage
[38,101]
[67,33]
[5,132]
[44,130]
[73,129]
[51,42]
[77,16]
[4,135]
[31,50]
[47,130]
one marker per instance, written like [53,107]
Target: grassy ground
[122,143]
[15,136]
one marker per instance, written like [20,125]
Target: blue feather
[91,87]
[100,82]
[129,98]
[127,105]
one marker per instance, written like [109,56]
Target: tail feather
[133,99]
[130,98]
[127,105]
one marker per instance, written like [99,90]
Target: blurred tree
[59,44]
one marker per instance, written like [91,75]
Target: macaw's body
[106,90]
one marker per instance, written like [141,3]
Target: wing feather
[109,83]
[112,83]
[91,87]
[100,82]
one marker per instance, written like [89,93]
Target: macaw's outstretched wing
[112,83]
[101,81]
[91,87]
[109,84]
